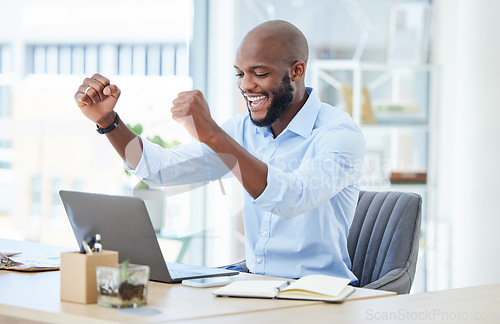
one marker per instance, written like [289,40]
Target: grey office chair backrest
[383,240]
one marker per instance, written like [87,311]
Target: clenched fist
[96,98]
[191,110]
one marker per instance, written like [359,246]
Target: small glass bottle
[97,244]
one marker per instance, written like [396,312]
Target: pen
[283,286]
[87,248]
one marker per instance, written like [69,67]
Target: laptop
[125,226]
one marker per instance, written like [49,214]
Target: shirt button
[264,233]
[259,260]
[273,143]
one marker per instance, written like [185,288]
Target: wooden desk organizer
[78,275]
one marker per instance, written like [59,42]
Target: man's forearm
[191,110]
[124,140]
[250,171]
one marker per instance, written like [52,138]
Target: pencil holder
[78,274]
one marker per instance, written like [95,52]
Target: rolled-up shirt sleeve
[149,160]
[187,163]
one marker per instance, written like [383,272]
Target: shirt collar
[264,130]
[303,122]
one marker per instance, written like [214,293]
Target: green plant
[137,128]
[124,273]
[129,290]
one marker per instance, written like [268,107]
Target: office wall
[467,50]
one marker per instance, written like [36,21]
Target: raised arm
[96,98]
[191,110]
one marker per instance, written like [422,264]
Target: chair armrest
[397,280]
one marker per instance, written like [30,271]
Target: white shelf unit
[401,136]
[398,97]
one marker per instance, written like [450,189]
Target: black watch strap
[111,127]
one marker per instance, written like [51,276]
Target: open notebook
[312,287]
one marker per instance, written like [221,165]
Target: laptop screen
[123,223]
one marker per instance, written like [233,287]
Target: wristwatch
[111,127]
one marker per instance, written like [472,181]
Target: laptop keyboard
[179,271]
[184,273]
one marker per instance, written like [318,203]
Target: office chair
[383,240]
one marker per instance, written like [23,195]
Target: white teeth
[256,98]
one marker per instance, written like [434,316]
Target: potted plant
[123,286]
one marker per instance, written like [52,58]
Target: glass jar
[122,286]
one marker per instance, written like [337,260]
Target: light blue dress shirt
[299,224]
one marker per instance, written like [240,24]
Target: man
[297,159]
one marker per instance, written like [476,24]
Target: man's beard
[282,98]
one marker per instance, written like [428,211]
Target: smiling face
[270,67]
[281,99]
[264,79]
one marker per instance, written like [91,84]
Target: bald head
[286,40]
[270,67]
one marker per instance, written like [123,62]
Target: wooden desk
[34,298]
[464,305]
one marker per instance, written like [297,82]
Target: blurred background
[417,76]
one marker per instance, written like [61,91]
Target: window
[5,155]
[48,147]
[5,94]
[154,59]
[5,59]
